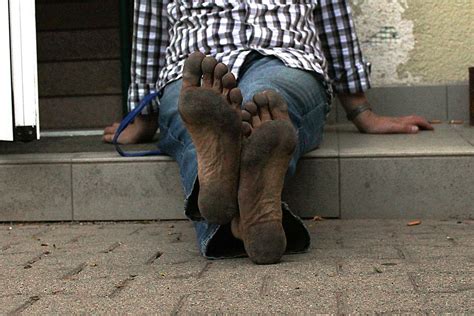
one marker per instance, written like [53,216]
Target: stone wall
[416,42]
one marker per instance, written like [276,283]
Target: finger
[421,122]
[407,129]
[401,128]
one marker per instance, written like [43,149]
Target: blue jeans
[308,105]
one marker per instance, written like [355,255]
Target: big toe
[207,66]
[192,71]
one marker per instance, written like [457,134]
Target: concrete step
[429,175]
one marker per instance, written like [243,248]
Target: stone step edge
[90,158]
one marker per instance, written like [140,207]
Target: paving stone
[10,304]
[364,189]
[448,303]
[378,293]
[35,192]
[94,305]
[415,252]
[375,252]
[370,301]
[30,282]
[290,292]
[435,240]
[296,302]
[444,282]
[95,281]
[162,296]
[360,275]
[400,266]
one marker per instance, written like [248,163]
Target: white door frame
[6,108]
[19,38]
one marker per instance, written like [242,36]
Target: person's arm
[350,73]
[150,40]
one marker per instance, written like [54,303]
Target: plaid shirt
[317,36]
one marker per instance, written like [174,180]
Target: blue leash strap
[127,120]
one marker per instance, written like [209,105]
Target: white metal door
[18,50]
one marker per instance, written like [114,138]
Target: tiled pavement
[363,266]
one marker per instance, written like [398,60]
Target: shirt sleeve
[150,40]
[346,66]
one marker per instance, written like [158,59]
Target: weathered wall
[416,41]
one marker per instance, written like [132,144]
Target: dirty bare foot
[266,153]
[209,105]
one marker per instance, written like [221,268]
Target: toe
[262,103]
[256,121]
[228,83]
[246,129]
[246,116]
[252,109]
[207,66]
[235,97]
[277,105]
[192,70]
[219,71]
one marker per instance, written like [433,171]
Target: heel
[265,243]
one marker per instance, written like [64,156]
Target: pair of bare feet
[242,155]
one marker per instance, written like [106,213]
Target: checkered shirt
[317,36]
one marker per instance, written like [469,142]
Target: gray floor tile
[329,147]
[407,187]
[117,191]
[314,189]
[458,102]
[38,192]
[427,101]
[443,141]
[332,117]
[466,132]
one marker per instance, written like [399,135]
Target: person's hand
[369,122]
[141,130]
